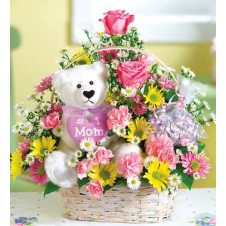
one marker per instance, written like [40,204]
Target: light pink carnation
[102,155]
[195,163]
[161,146]
[45,84]
[38,173]
[130,165]
[83,168]
[95,188]
[166,83]
[24,147]
[50,121]
[118,117]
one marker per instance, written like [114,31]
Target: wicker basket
[120,204]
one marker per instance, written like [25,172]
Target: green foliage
[118,181]
[169,94]
[201,146]
[50,187]
[84,181]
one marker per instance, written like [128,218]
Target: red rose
[132,73]
[117,22]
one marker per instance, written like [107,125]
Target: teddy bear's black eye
[79,86]
[91,82]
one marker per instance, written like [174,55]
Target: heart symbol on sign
[80,127]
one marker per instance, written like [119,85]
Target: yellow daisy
[42,146]
[154,97]
[16,164]
[105,173]
[83,60]
[139,128]
[158,175]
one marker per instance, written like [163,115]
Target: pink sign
[80,127]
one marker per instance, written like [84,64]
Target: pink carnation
[102,155]
[166,84]
[139,109]
[56,107]
[83,168]
[45,84]
[24,147]
[50,121]
[130,165]
[161,146]
[118,117]
[108,55]
[95,188]
[195,163]
[38,173]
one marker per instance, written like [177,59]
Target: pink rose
[102,155]
[161,146]
[95,188]
[56,107]
[117,22]
[118,117]
[83,168]
[130,165]
[132,73]
[24,147]
[50,121]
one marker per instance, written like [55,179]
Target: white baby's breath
[196,176]
[213,116]
[179,152]
[206,104]
[197,101]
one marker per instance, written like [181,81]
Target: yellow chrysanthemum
[158,175]
[83,60]
[105,173]
[139,128]
[154,97]
[43,145]
[16,164]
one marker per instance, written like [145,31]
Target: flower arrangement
[162,115]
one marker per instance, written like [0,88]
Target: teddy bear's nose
[88,94]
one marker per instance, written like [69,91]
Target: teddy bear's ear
[101,68]
[60,77]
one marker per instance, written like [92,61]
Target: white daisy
[29,159]
[128,92]
[58,131]
[204,118]
[119,130]
[133,182]
[17,127]
[114,103]
[148,160]
[26,128]
[175,180]
[197,101]
[78,153]
[38,107]
[196,176]
[88,144]
[192,148]
[72,160]
[40,130]
[184,69]
[45,106]
[22,113]
[179,152]
[135,140]
[32,96]
[213,116]
[206,104]
[90,155]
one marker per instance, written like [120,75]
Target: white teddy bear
[83,90]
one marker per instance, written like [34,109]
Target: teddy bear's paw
[122,149]
[58,171]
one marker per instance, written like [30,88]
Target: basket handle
[123,48]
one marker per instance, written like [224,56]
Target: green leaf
[187,180]
[170,94]
[201,146]
[154,68]
[118,181]
[145,180]
[182,148]
[110,133]
[50,187]
[83,181]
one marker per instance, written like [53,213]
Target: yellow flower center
[133,182]
[87,144]
[195,165]
[174,179]
[104,174]
[157,175]
[154,97]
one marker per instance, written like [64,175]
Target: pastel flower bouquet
[154,122]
